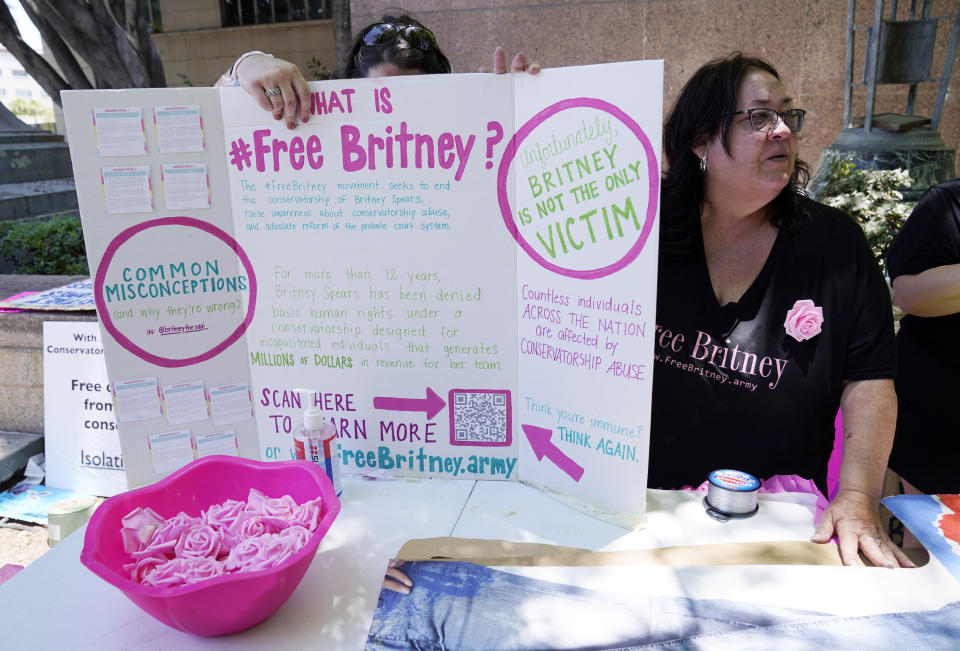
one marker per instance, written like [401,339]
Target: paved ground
[22,545]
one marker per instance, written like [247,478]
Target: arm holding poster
[392,46]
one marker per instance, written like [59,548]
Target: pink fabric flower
[282,506]
[156,549]
[169,574]
[308,514]
[275,550]
[222,515]
[250,525]
[167,535]
[200,541]
[243,554]
[180,571]
[173,528]
[199,569]
[234,536]
[140,569]
[804,320]
[298,534]
[137,527]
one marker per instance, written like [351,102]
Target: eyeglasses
[383,34]
[766,120]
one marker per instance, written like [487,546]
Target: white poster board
[81,443]
[461,268]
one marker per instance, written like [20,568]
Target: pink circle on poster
[653,177]
[129,345]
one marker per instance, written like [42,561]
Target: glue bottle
[316,441]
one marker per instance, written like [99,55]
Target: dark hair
[363,57]
[703,109]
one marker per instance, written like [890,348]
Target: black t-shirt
[926,450]
[731,389]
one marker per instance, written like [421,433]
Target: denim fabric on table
[465,606]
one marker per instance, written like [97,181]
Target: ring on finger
[270,92]
[876,540]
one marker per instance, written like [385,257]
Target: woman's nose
[780,130]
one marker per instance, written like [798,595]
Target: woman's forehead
[760,88]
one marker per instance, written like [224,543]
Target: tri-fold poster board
[460,270]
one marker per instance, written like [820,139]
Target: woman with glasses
[771,311]
[392,46]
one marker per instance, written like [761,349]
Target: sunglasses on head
[383,34]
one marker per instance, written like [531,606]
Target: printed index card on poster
[184,402]
[230,403]
[126,190]
[217,443]
[171,450]
[186,186]
[467,289]
[137,399]
[179,129]
[120,131]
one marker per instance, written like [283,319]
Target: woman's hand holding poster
[460,271]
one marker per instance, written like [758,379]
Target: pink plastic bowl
[224,604]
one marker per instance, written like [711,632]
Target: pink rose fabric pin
[804,320]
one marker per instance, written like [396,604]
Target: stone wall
[21,353]
[805,40]
[200,56]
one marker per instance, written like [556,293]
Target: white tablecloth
[56,603]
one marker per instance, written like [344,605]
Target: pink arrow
[539,438]
[431,404]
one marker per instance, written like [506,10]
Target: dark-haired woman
[771,311]
[392,46]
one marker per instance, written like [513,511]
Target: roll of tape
[731,494]
[66,516]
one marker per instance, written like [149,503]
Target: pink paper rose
[140,569]
[275,550]
[173,528]
[307,514]
[200,541]
[243,553]
[180,571]
[222,515]
[282,506]
[299,535]
[804,320]
[169,574]
[234,536]
[137,528]
[198,569]
[167,535]
[163,550]
[250,525]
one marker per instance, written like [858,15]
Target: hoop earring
[703,163]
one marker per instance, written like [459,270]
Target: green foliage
[31,108]
[319,71]
[872,197]
[53,246]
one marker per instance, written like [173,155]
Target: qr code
[480,417]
